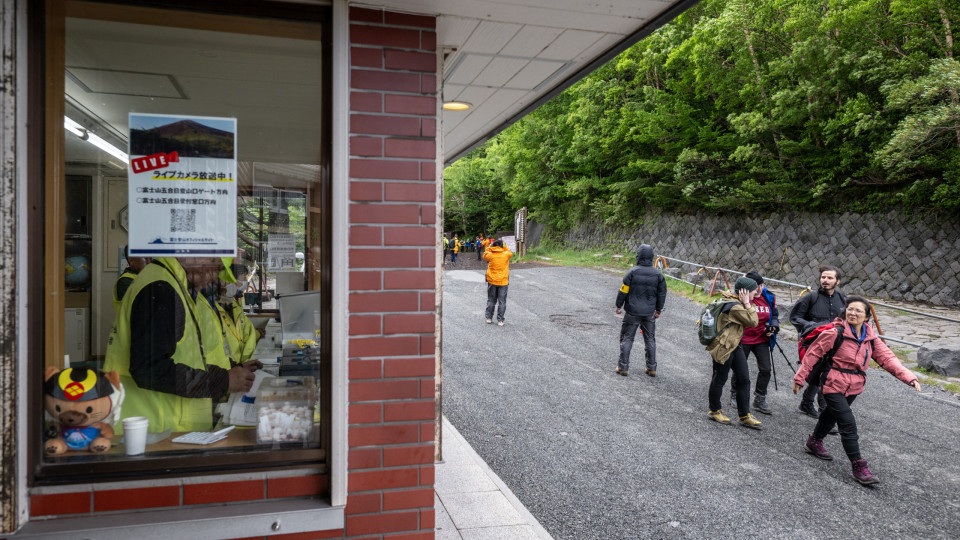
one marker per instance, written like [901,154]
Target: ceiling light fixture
[456,105]
[93,139]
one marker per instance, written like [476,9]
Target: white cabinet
[76,330]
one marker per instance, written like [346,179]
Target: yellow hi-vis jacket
[238,332]
[168,411]
[126,275]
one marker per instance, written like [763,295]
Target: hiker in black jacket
[811,311]
[644,291]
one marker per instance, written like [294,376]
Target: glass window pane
[188,336]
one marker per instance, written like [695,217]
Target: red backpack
[818,373]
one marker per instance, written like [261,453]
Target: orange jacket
[498,271]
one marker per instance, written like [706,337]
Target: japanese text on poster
[281,251]
[183,189]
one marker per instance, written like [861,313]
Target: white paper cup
[135,434]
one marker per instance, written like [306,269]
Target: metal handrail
[806,289]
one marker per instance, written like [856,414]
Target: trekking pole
[773,365]
[785,359]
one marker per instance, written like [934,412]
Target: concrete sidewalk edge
[450,431]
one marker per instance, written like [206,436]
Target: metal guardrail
[805,290]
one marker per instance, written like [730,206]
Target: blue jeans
[628,331]
[496,294]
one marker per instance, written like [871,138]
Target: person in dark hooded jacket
[643,293]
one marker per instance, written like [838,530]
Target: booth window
[252,89]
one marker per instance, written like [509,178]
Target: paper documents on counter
[241,408]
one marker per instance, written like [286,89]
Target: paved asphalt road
[596,455]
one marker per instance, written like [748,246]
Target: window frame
[46,193]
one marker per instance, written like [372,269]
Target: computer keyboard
[203,437]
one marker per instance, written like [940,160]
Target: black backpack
[818,374]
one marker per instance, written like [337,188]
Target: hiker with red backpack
[838,360]
[736,314]
[811,311]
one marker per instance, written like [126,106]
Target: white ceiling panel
[531,41]
[476,95]
[570,44]
[534,73]
[451,92]
[453,30]
[489,37]
[499,71]
[466,68]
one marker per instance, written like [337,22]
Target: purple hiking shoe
[815,446]
[861,473]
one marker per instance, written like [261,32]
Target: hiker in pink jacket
[845,380]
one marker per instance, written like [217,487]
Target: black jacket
[812,310]
[644,289]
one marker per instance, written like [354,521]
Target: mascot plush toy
[85,403]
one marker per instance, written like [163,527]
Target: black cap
[754,275]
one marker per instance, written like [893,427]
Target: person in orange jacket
[498,273]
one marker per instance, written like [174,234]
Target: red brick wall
[393,234]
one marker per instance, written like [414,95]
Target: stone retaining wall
[880,255]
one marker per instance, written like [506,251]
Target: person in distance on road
[643,293]
[455,246]
[845,379]
[498,274]
[811,311]
[760,340]
[727,353]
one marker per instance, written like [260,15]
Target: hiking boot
[749,421]
[489,321]
[651,372]
[621,372]
[815,446]
[760,404]
[499,323]
[718,416]
[861,473]
[809,409]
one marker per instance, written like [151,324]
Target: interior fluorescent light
[94,139]
[73,127]
[456,105]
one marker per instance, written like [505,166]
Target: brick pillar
[392,266]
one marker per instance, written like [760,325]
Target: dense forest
[738,105]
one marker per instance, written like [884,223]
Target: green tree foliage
[758,105]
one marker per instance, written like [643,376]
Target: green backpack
[707,323]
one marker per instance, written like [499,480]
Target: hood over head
[645,255]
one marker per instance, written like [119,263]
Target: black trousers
[496,297]
[628,331]
[738,363]
[839,413]
[761,351]
[810,392]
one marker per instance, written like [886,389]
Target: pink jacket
[851,355]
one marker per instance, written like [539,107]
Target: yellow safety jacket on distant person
[195,350]
[238,332]
[117,299]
